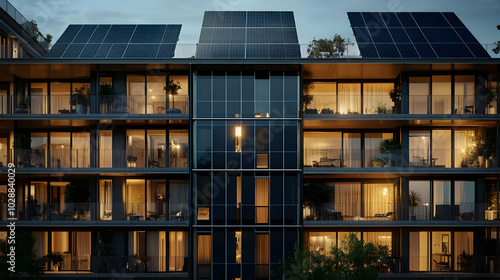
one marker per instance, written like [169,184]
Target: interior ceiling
[391,124]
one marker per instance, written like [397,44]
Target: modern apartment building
[140,158]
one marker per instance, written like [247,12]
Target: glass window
[80,152]
[179,200]
[349,98]
[464,249]
[178,251]
[441,251]
[156,250]
[237,236]
[60,95]
[105,148]
[261,200]
[420,148]
[61,245]
[204,255]
[136,94]
[419,200]
[156,197]
[203,213]
[41,244]
[465,148]
[181,100]
[324,99]
[351,150]
[441,94]
[38,103]
[379,238]
[441,148]
[106,199]
[39,145]
[378,201]
[157,147]
[464,94]
[442,200]
[261,256]
[419,95]
[465,200]
[321,242]
[376,98]
[419,251]
[156,98]
[60,146]
[178,148]
[135,148]
[262,95]
[135,199]
[373,150]
[322,148]
[137,245]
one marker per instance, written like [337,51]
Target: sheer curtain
[419,95]
[60,94]
[156,248]
[60,145]
[465,198]
[178,199]
[378,199]
[348,199]
[324,97]
[261,200]
[38,103]
[376,97]
[420,148]
[83,250]
[464,94]
[321,240]
[419,246]
[105,148]
[136,94]
[352,150]
[442,200]
[372,145]
[60,244]
[178,251]
[441,94]
[81,150]
[464,243]
[204,249]
[105,199]
[349,98]
[441,148]
[464,140]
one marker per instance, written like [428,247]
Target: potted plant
[172,89]
[140,262]
[414,200]
[491,96]
[105,251]
[490,148]
[378,162]
[22,106]
[80,99]
[395,95]
[465,262]
[22,146]
[382,109]
[315,194]
[79,194]
[307,98]
[106,94]
[55,258]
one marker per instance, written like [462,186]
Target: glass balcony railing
[372,104]
[57,211]
[352,211]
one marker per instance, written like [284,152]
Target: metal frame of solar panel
[414,35]
[117,41]
[248,35]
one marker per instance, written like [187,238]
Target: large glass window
[156,247]
[349,98]
[179,103]
[39,102]
[464,249]
[351,150]
[80,150]
[419,251]
[60,95]
[179,199]
[374,156]
[60,146]
[75,248]
[376,98]
[324,98]
[464,147]
[105,148]
[204,255]
[441,94]
[135,195]
[135,148]
[157,147]
[39,145]
[441,250]
[465,200]
[419,200]
[419,95]
[378,200]
[105,199]
[156,98]
[322,148]
[156,196]
[261,256]
[178,251]
[262,95]
[420,148]
[441,149]
[261,200]
[442,200]
[136,94]
[464,94]
[178,148]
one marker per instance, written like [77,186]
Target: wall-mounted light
[237,139]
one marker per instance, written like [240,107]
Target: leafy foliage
[326,48]
[172,87]
[389,145]
[26,260]
[106,89]
[414,199]
[353,259]
[316,193]
[496,50]
[307,98]
[77,193]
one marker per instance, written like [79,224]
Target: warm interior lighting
[237,139]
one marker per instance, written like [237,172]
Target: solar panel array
[117,41]
[248,35]
[414,35]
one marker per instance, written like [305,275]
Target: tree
[307,98]
[321,48]
[26,260]
[352,259]
[496,50]
[315,194]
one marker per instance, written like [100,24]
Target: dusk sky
[318,19]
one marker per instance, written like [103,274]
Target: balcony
[353,212]
[140,105]
[329,105]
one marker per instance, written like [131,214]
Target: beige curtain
[81,150]
[352,150]
[60,94]
[60,244]
[441,94]
[204,249]
[39,98]
[464,140]
[60,146]
[156,249]
[178,250]
[83,250]
[380,238]
[106,148]
[464,94]
[376,97]
[324,97]
[441,148]
[464,243]
[105,199]
[348,199]
[349,98]
[321,240]
[136,91]
[262,249]
[419,246]
[261,200]
[378,199]
[419,95]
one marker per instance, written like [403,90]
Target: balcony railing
[140,104]
[57,211]
[353,211]
[372,104]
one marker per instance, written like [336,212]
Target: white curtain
[378,199]
[464,140]
[419,257]
[321,240]
[376,97]
[178,199]
[441,94]
[83,250]
[105,148]
[105,199]
[464,243]
[465,198]
[156,248]
[178,250]
[442,197]
[419,95]
[60,95]
[349,98]
[352,150]
[261,200]
[348,199]
[38,103]
[441,148]
[81,150]
[464,94]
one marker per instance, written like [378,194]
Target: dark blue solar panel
[166,51]
[120,34]
[452,50]
[380,35]
[206,35]
[387,51]
[287,19]
[407,50]
[141,50]
[361,34]
[290,35]
[453,20]
[237,51]
[368,50]
[90,51]
[399,35]
[171,34]
[416,35]
[356,20]
[257,51]
[73,50]
[292,51]
[103,51]
[263,19]
[148,34]
[465,35]
[69,34]
[117,50]
[391,20]
[85,34]
[425,50]
[406,20]
[277,51]
[441,35]
[373,20]
[224,19]
[478,50]
[430,20]
[99,34]
[57,50]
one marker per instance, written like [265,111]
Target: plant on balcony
[80,98]
[382,109]
[22,145]
[140,262]
[55,258]
[491,96]
[414,200]
[106,94]
[172,89]
[307,97]
[378,162]
[315,194]
[26,260]
[390,146]
[466,262]
[78,193]
[395,95]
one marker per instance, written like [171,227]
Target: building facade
[214,168]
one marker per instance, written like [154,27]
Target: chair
[468,109]
[441,266]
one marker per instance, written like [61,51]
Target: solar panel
[248,35]
[117,41]
[414,35]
